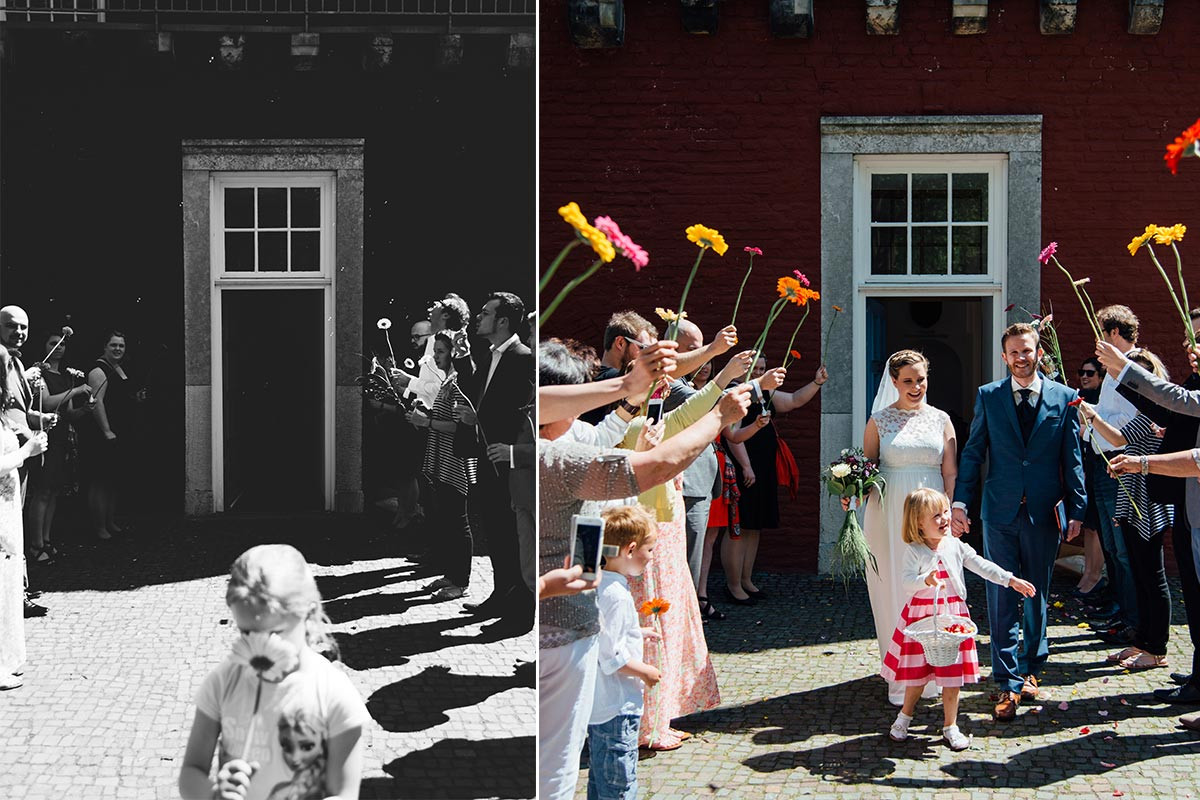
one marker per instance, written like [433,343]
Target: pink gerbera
[753,250]
[801,277]
[1050,250]
[627,246]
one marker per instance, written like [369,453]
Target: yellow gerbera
[1172,234]
[1139,240]
[667,315]
[599,242]
[574,217]
[707,237]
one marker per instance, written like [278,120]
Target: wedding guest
[1091,587]
[722,515]
[402,464]
[448,314]
[571,474]
[1143,523]
[1171,480]
[521,456]
[702,375]
[449,478]
[500,385]
[758,507]
[103,445]
[1120,328]
[617,705]
[12,570]
[48,475]
[626,333]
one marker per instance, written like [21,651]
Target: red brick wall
[673,129]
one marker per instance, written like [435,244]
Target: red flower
[1010,306]
[1182,142]
[1075,402]
[754,250]
[1050,250]
[795,354]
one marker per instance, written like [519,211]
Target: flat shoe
[1144,660]
[1181,677]
[663,748]
[10,682]
[1117,658]
[1191,721]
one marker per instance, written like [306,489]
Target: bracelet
[822,383]
[1145,465]
[629,407]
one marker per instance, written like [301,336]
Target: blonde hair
[905,358]
[626,524]
[277,577]
[1143,357]
[919,504]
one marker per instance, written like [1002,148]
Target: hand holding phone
[587,538]
[654,410]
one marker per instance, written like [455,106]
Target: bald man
[14,332]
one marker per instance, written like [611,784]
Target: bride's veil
[887,392]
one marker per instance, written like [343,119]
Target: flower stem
[253,723]
[1087,424]
[1183,312]
[788,353]
[1187,306]
[742,289]
[772,315]
[828,336]
[554,264]
[1091,318]
[566,290]
[672,332]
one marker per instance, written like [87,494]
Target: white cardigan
[918,561]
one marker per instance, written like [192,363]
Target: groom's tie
[1025,414]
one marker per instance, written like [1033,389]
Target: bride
[915,446]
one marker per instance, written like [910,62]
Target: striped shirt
[440,463]
[1141,440]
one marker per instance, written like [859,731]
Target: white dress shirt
[1034,388]
[497,351]
[620,643]
[429,379]
[1113,409]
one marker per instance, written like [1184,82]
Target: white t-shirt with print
[300,714]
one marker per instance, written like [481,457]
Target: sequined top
[573,478]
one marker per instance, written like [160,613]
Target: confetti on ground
[1062,706]
[1108,764]
[1084,731]
[1103,713]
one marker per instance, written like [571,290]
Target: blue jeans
[1113,542]
[613,747]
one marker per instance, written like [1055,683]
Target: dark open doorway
[274,396]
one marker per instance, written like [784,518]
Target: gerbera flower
[1136,243]
[1167,235]
[1177,149]
[789,289]
[800,276]
[705,238]
[655,607]
[667,315]
[599,242]
[795,353]
[268,654]
[1050,250]
[628,248]
[383,324]
[753,250]
[573,216]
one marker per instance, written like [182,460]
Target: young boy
[617,708]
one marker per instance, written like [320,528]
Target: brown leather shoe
[1030,690]
[1006,709]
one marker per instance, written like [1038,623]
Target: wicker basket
[941,646]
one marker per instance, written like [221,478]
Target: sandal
[683,735]
[1144,660]
[1128,652]
[38,555]
[708,610]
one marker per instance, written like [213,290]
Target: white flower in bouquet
[840,470]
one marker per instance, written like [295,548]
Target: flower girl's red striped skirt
[905,664]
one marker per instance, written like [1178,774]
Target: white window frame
[990,286]
[224,280]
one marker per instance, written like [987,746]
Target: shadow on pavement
[162,550]
[383,647]
[420,702]
[460,769]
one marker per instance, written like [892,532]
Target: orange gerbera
[655,607]
[837,309]
[790,289]
[795,354]
[1182,142]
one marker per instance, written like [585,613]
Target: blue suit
[1025,482]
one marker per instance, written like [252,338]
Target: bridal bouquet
[852,476]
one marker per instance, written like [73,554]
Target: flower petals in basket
[940,635]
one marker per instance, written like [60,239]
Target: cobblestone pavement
[803,715]
[134,626]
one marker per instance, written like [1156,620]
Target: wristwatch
[629,407]
[1145,465]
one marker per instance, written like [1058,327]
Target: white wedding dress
[911,444]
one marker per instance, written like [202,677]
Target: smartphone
[654,411]
[587,538]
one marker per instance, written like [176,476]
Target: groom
[1029,430]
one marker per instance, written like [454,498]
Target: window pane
[970,250]
[970,197]
[239,252]
[306,251]
[929,251]
[306,207]
[272,208]
[272,252]
[239,208]
[889,251]
[929,198]
[889,198]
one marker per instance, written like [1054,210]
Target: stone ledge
[280,154]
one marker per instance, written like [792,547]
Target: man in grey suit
[1182,464]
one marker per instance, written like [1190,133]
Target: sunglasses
[632,341]
[1091,373]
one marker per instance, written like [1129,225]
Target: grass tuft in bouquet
[852,476]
